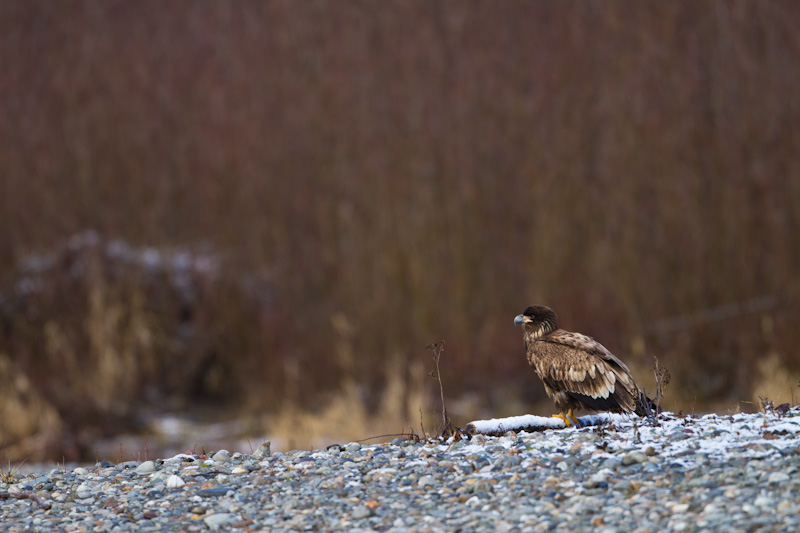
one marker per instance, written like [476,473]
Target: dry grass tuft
[775,382]
[29,426]
[345,416]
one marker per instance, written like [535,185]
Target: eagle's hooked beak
[519,319]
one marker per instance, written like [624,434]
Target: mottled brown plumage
[577,371]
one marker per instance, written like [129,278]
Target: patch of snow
[181,457]
[498,425]
[717,436]
[517,423]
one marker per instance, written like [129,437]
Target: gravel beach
[737,472]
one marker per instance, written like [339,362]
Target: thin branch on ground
[448,429]
[411,435]
[26,495]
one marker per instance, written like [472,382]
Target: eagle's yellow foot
[567,417]
[563,417]
[572,417]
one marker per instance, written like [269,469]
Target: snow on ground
[670,436]
[678,438]
[500,425]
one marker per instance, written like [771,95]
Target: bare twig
[767,405]
[662,379]
[26,495]
[437,348]
[411,435]
[448,429]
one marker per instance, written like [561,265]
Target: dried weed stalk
[662,379]
[448,429]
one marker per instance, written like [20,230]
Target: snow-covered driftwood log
[499,426]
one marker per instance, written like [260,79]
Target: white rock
[146,467]
[239,470]
[763,501]
[361,512]
[222,456]
[473,502]
[80,471]
[778,477]
[751,509]
[424,481]
[501,526]
[731,492]
[83,491]
[175,482]
[215,521]
[601,475]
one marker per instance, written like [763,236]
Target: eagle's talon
[562,417]
[572,416]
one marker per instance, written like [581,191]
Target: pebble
[146,467]
[221,456]
[778,477]
[633,458]
[684,474]
[263,451]
[216,520]
[361,512]
[426,481]
[175,482]
[352,447]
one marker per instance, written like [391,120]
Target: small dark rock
[215,491]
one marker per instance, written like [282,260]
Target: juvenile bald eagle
[577,371]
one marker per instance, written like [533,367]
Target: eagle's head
[538,319]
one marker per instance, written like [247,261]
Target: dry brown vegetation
[348,181]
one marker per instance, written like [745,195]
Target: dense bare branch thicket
[366,176]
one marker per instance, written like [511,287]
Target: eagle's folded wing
[584,343]
[584,369]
